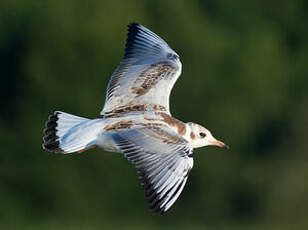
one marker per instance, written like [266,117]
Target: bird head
[200,136]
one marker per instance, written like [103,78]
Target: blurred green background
[244,67]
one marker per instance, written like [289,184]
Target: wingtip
[132,24]
[132,32]
[132,28]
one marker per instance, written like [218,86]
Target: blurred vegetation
[244,67]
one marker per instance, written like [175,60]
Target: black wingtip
[50,140]
[132,32]
[152,197]
[133,24]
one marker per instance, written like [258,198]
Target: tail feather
[50,139]
[66,133]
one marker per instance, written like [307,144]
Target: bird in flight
[137,121]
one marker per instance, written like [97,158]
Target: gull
[136,121]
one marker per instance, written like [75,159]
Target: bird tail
[66,133]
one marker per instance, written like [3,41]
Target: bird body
[137,121]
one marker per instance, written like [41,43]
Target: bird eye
[202,135]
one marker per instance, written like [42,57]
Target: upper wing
[162,159]
[145,75]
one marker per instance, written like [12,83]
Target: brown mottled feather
[150,77]
[179,125]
